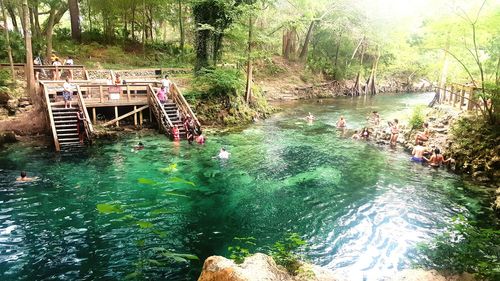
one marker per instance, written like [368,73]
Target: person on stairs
[67,93]
[161,94]
[80,125]
[166,83]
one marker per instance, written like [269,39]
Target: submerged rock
[7,137]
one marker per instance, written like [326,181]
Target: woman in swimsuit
[80,125]
[423,136]
[394,131]
[437,159]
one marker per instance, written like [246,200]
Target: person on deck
[161,94]
[418,153]
[69,61]
[67,93]
[80,125]
[165,82]
[118,79]
[341,124]
[437,159]
[56,73]
[37,62]
[423,136]
[394,131]
[24,177]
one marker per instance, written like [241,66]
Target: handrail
[181,101]
[89,129]
[159,110]
[51,118]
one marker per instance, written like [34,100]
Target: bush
[17,45]
[220,82]
[240,251]
[417,118]
[464,248]
[283,252]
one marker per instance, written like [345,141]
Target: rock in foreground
[260,267]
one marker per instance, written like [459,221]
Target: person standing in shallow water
[394,131]
[341,124]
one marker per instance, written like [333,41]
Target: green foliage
[284,252]
[4,78]
[17,45]
[464,248]
[219,82]
[417,118]
[240,250]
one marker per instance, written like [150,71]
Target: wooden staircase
[174,115]
[172,112]
[64,121]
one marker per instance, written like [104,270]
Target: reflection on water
[361,207]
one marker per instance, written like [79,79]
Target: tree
[7,39]
[30,73]
[74,12]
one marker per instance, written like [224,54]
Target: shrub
[220,82]
[17,45]
[240,251]
[283,252]
[464,248]
[417,118]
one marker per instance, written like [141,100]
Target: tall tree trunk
[181,27]
[337,55]
[248,94]
[202,37]
[7,40]
[36,22]
[12,15]
[444,74]
[371,87]
[357,89]
[74,13]
[30,74]
[305,47]
[49,32]
[133,23]
[21,18]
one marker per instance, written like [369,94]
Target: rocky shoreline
[260,267]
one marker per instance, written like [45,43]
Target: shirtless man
[437,159]
[418,153]
[24,177]
[423,136]
[341,123]
[223,154]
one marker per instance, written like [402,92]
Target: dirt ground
[25,123]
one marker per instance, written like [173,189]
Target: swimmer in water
[310,117]
[418,153]
[139,146]
[341,123]
[223,154]
[24,177]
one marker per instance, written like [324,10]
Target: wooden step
[65,121]
[66,140]
[67,135]
[63,126]
[66,130]
[65,116]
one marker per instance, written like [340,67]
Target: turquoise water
[362,208]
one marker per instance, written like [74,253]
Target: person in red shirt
[175,133]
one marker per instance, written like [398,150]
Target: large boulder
[259,267]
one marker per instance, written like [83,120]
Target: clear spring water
[362,208]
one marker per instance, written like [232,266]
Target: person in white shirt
[165,82]
[55,72]
[223,154]
[67,93]
[69,61]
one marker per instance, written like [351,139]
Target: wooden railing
[51,119]
[49,72]
[89,129]
[159,111]
[182,104]
[459,95]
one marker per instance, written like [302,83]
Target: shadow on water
[361,207]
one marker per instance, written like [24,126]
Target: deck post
[140,117]
[116,116]
[94,116]
[135,116]
[455,97]
[128,93]
[101,94]
[470,103]
[451,94]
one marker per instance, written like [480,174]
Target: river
[361,207]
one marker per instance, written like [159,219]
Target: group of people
[419,154]
[54,61]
